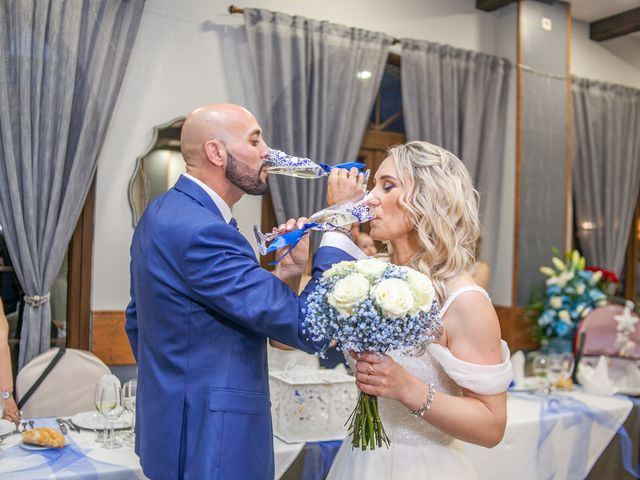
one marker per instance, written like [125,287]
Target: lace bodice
[435,364]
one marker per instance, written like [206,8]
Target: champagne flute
[280,163]
[331,218]
[108,402]
[129,391]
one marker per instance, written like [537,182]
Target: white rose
[348,292]
[555,302]
[338,268]
[394,297]
[371,267]
[564,316]
[422,291]
[580,288]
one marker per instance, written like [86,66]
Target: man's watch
[6,394]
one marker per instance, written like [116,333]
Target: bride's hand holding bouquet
[372,306]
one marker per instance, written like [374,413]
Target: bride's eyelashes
[388,186]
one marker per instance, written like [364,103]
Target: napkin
[596,379]
[517,364]
[625,375]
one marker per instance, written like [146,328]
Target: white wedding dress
[419,450]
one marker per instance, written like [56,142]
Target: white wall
[192,52]
[614,61]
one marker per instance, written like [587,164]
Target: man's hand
[345,186]
[291,267]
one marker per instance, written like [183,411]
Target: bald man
[201,309]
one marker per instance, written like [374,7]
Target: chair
[613,331]
[67,390]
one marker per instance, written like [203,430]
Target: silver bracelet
[427,403]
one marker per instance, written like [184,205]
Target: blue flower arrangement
[570,293]
[371,305]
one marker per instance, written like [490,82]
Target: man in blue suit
[201,310]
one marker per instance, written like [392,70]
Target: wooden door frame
[80,272]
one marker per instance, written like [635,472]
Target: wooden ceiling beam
[615,26]
[491,5]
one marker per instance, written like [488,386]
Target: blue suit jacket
[201,308]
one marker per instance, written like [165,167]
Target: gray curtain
[458,99]
[61,66]
[314,100]
[605,151]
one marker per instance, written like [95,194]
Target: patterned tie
[233,223]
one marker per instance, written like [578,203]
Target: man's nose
[266,151]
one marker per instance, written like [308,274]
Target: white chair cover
[67,390]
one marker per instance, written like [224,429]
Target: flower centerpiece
[371,305]
[570,293]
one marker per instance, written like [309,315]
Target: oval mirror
[158,168]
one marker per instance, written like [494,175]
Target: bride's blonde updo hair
[443,206]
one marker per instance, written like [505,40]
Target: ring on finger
[370,370]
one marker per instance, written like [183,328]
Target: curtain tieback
[37,300]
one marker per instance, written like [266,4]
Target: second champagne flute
[327,219]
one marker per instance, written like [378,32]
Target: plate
[631,391]
[95,421]
[37,448]
[529,384]
[6,427]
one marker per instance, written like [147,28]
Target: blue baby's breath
[367,328]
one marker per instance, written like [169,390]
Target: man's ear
[216,153]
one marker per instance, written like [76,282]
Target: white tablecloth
[81,458]
[519,455]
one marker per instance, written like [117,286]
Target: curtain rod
[234,9]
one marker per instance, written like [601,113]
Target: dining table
[82,457]
[559,436]
[562,435]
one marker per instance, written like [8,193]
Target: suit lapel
[196,192]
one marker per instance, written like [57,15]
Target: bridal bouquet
[374,306]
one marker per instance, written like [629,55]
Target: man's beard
[244,177]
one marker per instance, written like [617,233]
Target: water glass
[129,391]
[108,401]
[540,367]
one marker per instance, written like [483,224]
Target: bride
[427,213]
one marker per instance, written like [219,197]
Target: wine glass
[540,367]
[554,371]
[1,414]
[108,401]
[129,391]
[568,365]
[331,218]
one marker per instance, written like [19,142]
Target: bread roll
[43,437]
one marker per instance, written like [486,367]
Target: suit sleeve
[131,325]
[223,273]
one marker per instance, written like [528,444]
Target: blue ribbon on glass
[290,240]
[347,166]
[550,411]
